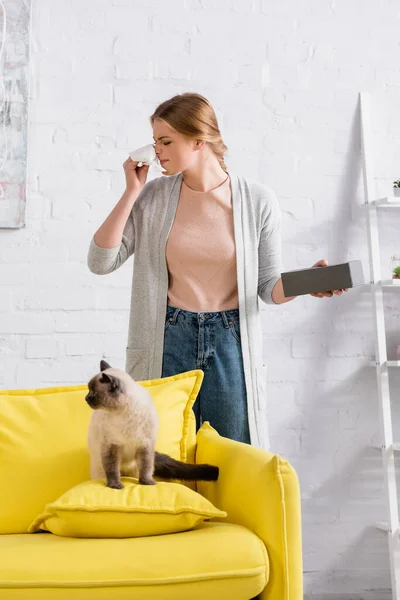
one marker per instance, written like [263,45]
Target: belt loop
[175,316]
[225,319]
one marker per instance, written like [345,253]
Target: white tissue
[146,155]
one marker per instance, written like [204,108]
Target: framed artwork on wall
[15,20]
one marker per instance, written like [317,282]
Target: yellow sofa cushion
[91,509]
[214,560]
[43,441]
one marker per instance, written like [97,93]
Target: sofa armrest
[259,491]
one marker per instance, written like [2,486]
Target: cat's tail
[169,468]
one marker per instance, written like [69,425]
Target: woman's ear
[200,144]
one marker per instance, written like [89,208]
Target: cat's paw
[147,481]
[116,485]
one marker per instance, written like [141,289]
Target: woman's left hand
[324,263]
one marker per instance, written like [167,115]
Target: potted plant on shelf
[395,268]
[396,187]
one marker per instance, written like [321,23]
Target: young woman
[207,247]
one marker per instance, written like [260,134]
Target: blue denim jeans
[210,341]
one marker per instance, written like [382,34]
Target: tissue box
[322,279]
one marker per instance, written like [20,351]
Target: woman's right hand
[135,176]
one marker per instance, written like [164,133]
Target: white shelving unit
[382,364]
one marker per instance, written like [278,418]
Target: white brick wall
[284,78]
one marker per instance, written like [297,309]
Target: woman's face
[176,153]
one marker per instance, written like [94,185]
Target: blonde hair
[193,116]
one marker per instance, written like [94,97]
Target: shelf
[382,525]
[389,449]
[387,202]
[389,363]
[389,283]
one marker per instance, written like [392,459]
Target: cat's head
[107,389]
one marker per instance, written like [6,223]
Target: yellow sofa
[254,552]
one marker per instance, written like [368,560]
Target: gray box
[322,279]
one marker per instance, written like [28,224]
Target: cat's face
[106,389]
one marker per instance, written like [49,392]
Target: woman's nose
[158,147]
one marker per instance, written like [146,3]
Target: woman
[207,246]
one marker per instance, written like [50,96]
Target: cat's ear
[104,365]
[113,382]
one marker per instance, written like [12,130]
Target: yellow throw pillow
[43,441]
[92,510]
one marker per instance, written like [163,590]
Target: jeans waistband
[227,316]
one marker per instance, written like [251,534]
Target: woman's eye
[167,143]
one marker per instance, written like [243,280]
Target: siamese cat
[123,431]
